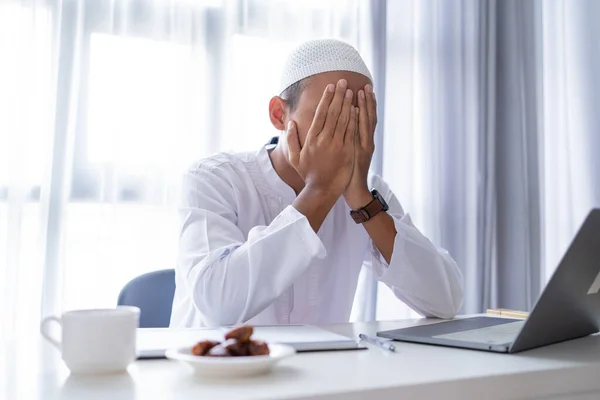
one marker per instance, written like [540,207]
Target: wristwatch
[370,210]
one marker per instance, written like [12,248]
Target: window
[112,100]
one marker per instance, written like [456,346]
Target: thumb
[293,142]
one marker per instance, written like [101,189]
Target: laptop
[568,308]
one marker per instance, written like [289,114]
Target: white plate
[230,367]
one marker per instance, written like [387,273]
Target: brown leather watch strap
[367,212]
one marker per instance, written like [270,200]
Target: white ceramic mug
[96,341]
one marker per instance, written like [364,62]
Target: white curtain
[571,146]
[436,116]
[103,104]
[491,135]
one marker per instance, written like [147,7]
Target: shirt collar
[281,188]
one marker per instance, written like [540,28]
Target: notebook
[153,342]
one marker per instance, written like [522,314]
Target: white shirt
[247,255]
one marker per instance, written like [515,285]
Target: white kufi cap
[317,56]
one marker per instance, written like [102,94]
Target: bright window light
[25,102]
[147,103]
[253,78]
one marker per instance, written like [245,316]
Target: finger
[350,133]
[344,118]
[293,142]
[335,107]
[363,118]
[356,130]
[321,113]
[371,106]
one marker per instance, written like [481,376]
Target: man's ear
[277,112]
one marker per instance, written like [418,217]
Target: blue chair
[153,294]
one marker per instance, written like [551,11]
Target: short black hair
[292,93]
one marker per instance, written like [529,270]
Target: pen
[384,344]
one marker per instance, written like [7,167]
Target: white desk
[569,370]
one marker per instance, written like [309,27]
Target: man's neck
[286,172]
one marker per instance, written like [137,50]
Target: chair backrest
[153,294]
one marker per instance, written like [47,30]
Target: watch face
[378,196]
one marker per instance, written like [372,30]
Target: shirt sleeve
[422,275]
[231,278]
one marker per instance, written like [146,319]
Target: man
[280,236]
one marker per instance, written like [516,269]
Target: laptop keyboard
[498,334]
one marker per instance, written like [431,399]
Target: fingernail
[361,93]
[368,88]
[290,126]
[343,83]
[330,87]
[348,94]
[374,96]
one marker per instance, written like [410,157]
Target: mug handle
[46,334]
